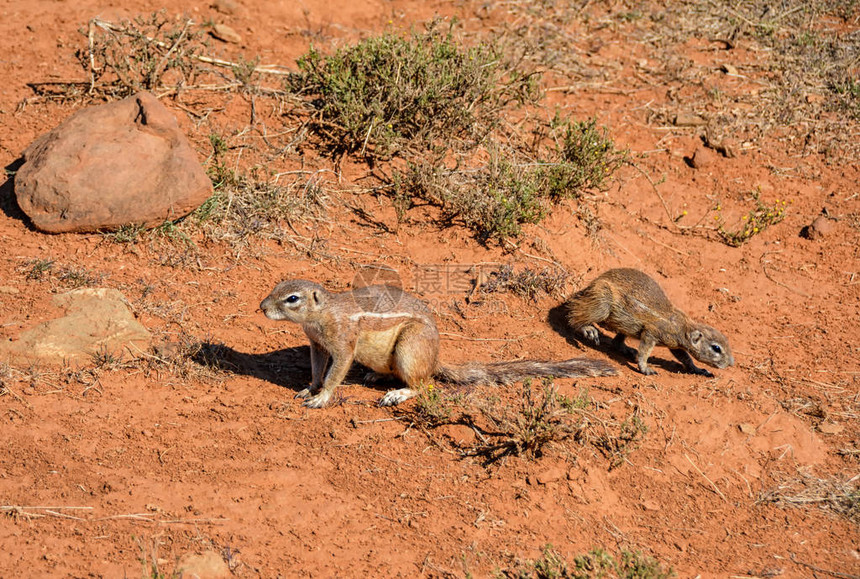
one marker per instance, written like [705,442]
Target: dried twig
[104,24]
[698,470]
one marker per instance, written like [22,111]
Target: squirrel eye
[716,348]
[291,299]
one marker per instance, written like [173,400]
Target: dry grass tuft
[833,494]
[527,283]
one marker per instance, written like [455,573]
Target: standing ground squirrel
[630,303]
[390,332]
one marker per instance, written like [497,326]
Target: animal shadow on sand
[557,319]
[288,368]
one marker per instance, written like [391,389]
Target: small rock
[815,98]
[830,428]
[9,291]
[111,165]
[747,429]
[820,227]
[206,565]
[689,120]
[730,70]
[703,157]
[225,6]
[226,34]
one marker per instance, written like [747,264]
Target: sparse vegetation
[753,223]
[130,233]
[493,201]
[145,53]
[838,496]
[389,95]
[538,420]
[529,425]
[617,446]
[527,283]
[596,564]
[75,277]
[808,73]
[496,198]
[70,277]
[433,406]
[37,269]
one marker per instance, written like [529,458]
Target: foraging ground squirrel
[390,332]
[630,303]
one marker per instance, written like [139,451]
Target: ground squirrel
[630,303]
[390,332]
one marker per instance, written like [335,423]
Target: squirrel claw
[591,334]
[318,401]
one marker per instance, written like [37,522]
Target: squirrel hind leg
[413,360]
[588,308]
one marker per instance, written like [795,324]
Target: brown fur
[630,303]
[390,332]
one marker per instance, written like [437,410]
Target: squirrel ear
[317,297]
[695,337]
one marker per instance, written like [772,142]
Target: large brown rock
[111,165]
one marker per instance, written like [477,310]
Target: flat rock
[225,6]
[226,33]
[125,162]
[97,320]
[206,565]
[689,120]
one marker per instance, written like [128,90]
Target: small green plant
[433,407]
[104,358]
[617,445]
[36,269]
[129,233]
[753,223]
[596,564]
[171,231]
[75,277]
[581,401]
[584,158]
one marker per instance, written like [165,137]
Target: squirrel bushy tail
[504,373]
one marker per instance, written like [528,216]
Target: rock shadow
[8,201]
[557,319]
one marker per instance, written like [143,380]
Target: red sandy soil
[161,463]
